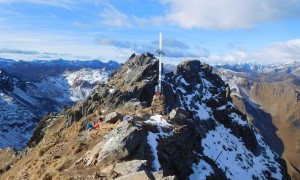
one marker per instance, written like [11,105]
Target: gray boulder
[113,117]
[179,116]
[123,141]
[159,175]
[73,116]
[129,167]
[135,176]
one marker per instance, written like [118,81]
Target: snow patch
[184,82]
[201,170]
[111,90]
[151,139]
[222,107]
[181,80]
[204,112]
[158,120]
[236,118]
[128,70]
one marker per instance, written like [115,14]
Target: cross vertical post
[160,64]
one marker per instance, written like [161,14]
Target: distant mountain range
[292,67]
[29,90]
[40,69]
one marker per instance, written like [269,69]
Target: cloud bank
[228,14]
[172,48]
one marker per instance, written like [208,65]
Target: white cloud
[228,14]
[113,17]
[115,43]
[58,3]
[280,51]
[172,47]
[28,45]
[17,51]
[274,53]
[65,4]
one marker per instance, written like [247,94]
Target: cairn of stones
[158,104]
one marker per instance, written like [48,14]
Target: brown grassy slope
[280,100]
[54,157]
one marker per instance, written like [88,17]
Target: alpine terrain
[270,96]
[190,131]
[23,103]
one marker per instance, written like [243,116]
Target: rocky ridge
[207,137]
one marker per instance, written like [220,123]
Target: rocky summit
[202,136]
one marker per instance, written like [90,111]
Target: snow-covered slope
[16,123]
[22,104]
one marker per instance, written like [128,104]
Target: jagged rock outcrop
[136,79]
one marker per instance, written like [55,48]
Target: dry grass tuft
[44,149]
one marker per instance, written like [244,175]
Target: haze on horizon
[212,31]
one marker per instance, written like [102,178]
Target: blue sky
[208,30]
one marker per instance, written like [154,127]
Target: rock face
[135,79]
